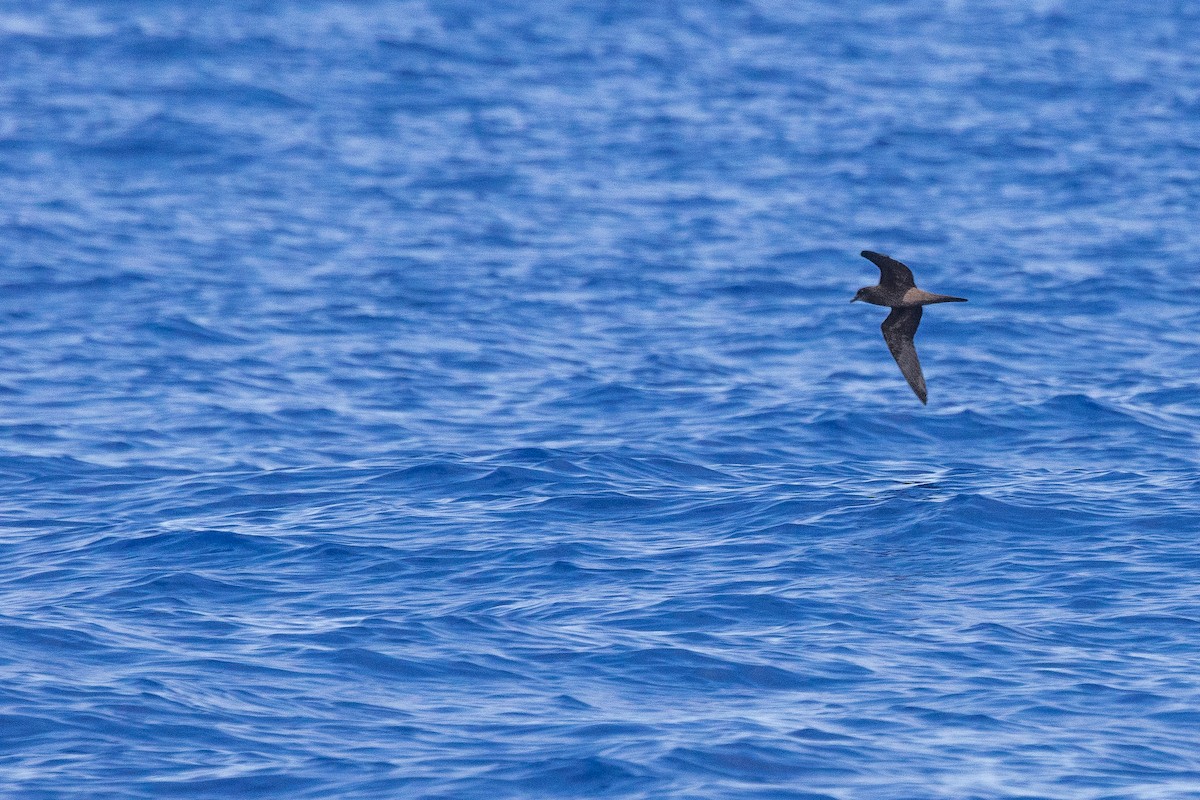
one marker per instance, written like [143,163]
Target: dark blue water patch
[746,762]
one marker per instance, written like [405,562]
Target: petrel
[898,291]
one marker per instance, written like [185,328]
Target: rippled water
[445,400]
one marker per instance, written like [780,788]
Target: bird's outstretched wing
[893,274]
[898,331]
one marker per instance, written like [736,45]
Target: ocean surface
[449,399]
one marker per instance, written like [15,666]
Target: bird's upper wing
[898,331]
[893,274]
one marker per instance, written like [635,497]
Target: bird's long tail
[944,298]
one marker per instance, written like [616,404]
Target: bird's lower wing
[898,331]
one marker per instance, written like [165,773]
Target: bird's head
[863,294]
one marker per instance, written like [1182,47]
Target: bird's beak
[853,299]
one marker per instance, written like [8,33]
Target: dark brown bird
[898,291]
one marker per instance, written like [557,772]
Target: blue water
[448,399]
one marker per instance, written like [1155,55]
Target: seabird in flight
[898,291]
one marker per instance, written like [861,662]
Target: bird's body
[909,298]
[898,291]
